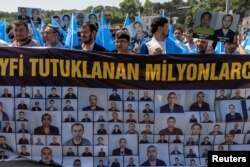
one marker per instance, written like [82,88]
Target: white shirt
[154,44]
[90,48]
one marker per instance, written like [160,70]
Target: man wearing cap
[52,37]
[88,33]
[21,34]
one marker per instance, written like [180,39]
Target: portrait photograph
[40,120]
[120,142]
[146,129]
[10,141]
[159,151]
[191,151]
[115,106]
[7,109]
[238,94]
[199,100]
[115,94]
[23,91]
[234,127]
[206,139]
[69,116]
[131,117]
[115,128]
[146,118]
[39,140]
[66,21]
[146,95]
[223,94]
[100,116]
[192,117]
[38,92]
[93,18]
[100,161]
[7,91]
[23,138]
[177,160]
[69,105]
[54,140]
[191,140]
[87,133]
[69,92]
[85,116]
[131,161]
[53,105]
[85,151]
[101,140]
[226,27]
[22,103]
[216,129]
[100,128]
[71,161]
[24,150]
[131,107]
[192,161]
[207,117]
[161,138]
[203,151]
[145,138]
[130,94]
[116,160]
[176,122]
[37,104]
[230,111]
[115,116]
[204,24]
[176,149]
[80,19]
[176,138]
[234,139]
[100,151]
[92,99]
[171,101]
[42,154]
[8,126]
[146,107]
[53,92]
[24,14]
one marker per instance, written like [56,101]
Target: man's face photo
[227,22]
[205,20]
[231,109]
[46,155]
[92,100]
[200,97]
[172,99]
[46,120]
[229,138]
[152,153]
[171,123]
[77,132]
[122,143]
[216,128]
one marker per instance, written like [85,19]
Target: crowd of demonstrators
[20,35]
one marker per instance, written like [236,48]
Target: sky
[12,5]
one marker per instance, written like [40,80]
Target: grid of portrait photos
[65,125]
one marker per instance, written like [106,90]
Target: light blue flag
[37,35]
[174,46]
[171,29]
[93,10]
[72,38]
[103,36]
[246,43]
[3,34]
[163,14]
[62,32]
[219,49]
[127,21]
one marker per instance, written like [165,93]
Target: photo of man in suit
[122,150]
[93,104]
[115,96]
[147,109]
[200,104]
[7,128]
[171,107]
[36,107]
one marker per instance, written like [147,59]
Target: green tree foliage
[147,7]
[131,7]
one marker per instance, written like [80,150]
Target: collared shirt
[90,47]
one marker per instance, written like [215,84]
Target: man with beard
[152,158]
[21,34]
[157,44]
[224,33]
[88,33]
